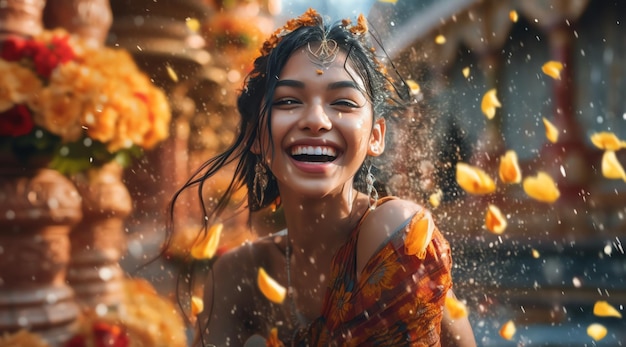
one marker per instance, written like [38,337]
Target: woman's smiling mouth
[316,154]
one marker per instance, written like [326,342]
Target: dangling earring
[372,193]
[260,182]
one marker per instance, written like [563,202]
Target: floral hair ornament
[328,48]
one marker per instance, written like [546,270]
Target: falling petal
[513,16]
[456,308]
[553,69]
[552,132]
[206,247]
[466,71]
[272,290]
[193,24]
[388,1]
[596,331]
[509,171]
[171,73]
[604,309]
[535,253]
[419,235]
[608,141]
[541,187]
[489,103]
[272,340]
[474,180]
[413,86]
[495,220]
[197,305]
[508,330]
[440,39]
[611,167]
[435,198]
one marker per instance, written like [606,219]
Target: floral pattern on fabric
[397,301]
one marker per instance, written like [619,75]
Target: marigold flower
[474,180]
[489,103]
[272,290]
[205,247]
[596,331]
[513,16]
[509,171]
[611,167]
[495,221]
[507,331]
[607,141]
[541,187]
[603,309]
[552,132]
[553,69]
[456,308]
[419,235]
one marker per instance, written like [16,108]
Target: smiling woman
[350,268]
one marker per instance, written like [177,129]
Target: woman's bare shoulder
[380,224]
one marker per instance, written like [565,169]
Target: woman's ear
[377,138]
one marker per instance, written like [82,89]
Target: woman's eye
[285,102]
[345,103]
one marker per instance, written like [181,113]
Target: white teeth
[311,150]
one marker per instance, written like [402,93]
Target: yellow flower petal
[272,340]
[509,171]
[388,1]
[513,16]
[596,331]
[435,198]
[413,86]
[171,73]
[553,69]
[607,140]
[604,309]
[474,180]
[535,253]
[552,132]
[440,39]
[541,187]
[489,103]
[495,221]
[456,308]
[206,247]
[419,235]
[193,24]
[272,290]
[197,305]
[508,330]
[611,167]
[466,71]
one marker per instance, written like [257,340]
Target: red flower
[13,49]
[16,121]
[104,335]
[47,57]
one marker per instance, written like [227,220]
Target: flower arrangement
[76,104]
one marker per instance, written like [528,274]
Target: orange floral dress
[397,301]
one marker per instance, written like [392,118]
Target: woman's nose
[316,119]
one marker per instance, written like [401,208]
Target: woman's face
[322,126]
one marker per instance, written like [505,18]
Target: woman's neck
[322,222]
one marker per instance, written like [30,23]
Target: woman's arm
[456,332]
[228,301]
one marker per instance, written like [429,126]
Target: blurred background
[82,224]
